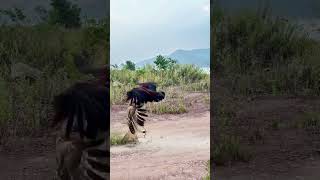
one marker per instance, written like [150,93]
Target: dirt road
[304,170]
[288,144]
[176,146]
[28,159]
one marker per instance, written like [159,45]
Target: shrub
[57,53]
[262,54]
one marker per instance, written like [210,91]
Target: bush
[57,53]
[261,54]
[189,77]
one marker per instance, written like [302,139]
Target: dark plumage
[149,85]
[136,115]
[88,103]
[146,92]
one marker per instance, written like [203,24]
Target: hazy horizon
[142,29]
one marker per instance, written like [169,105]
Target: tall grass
[257,54]
[56,52]
[178,74]
[188,77]
[261,54]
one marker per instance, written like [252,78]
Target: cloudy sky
[141,29]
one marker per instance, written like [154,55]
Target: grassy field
[57,53]
[175,81]
[257,55]
[260,54]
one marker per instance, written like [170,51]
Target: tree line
[161,63]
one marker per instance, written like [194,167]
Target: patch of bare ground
[27,159]
[275,130]
[175,147]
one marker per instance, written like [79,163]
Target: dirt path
[176,146]
[305,170]
[28,159]
[288,144]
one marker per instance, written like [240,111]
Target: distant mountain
[198,57]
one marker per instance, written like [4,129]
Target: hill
[199,57]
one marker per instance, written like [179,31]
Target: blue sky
[141,29]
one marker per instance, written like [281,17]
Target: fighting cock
[144,93]
[88,103]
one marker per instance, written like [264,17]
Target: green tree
[163,63]
[130,65]
[64,13]
[171,62]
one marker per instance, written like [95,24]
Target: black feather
[140,122]
[131,127]
[142,110]
[142,114]
[149,85]
[144,94]
[87,102]
[140,118]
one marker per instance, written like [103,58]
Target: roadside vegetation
[175,79]
[256,54]
[42,56]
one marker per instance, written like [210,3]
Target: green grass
[120,139]
[116,139]
[167,107]
[229,149]
[174,103]
[188,78]
[26,107]
[257,54]
[202,86]
[118,92]
[261,54]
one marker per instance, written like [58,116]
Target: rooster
[84,108]
[144,93]
[88,103]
